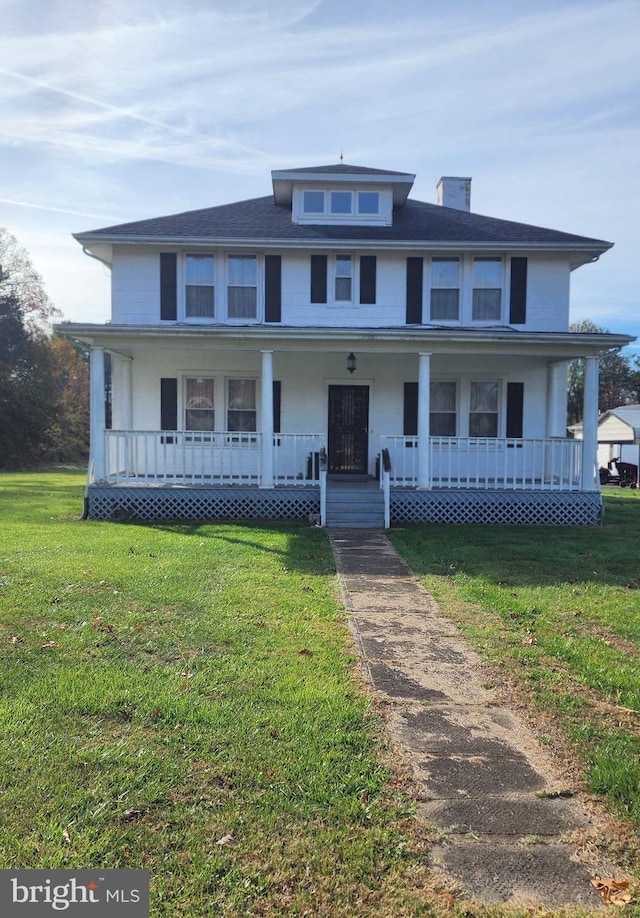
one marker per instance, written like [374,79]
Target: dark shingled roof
[262,219]
[347,169]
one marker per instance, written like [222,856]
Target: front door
[348,429]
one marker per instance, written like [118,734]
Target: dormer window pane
[340,202]
[368,202]
[313,202]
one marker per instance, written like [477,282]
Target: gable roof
[629,415]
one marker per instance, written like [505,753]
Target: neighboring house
[271,357]
[618,436]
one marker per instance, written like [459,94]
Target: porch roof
[502,341]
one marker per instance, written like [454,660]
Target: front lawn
[183,698]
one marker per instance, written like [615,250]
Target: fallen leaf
[226,840]
[66,836]
[614,892]
[14,640]
[48,644]
[155,713]
[448,899]
[259,625]
[305,652]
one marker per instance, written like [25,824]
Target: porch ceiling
[557,346]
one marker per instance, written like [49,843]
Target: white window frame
[356,215]
[459,287]
[500,287]
[228,408]
[182,286]
[244,320]
[335,277]
[187,407]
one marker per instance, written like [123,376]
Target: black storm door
[348,429]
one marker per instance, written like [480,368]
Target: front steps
[354,505]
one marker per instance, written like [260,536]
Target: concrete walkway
[512,831]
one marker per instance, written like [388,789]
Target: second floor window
[343,278]
[445,289]
[200,287]
[487,289]
[242,290]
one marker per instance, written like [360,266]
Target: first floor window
[487,289]
[199,404]
[199,286]
[445,289]
[242,291]
[241,404]
[343,278]
[483,409]
[442,401]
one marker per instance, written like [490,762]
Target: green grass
[162,687]
[165,686]
[557,611]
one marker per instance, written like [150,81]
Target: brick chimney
[455,192]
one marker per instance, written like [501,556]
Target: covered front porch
[310,413]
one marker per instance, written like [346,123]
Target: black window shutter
[168,404]
[272,288]
[277,402]
[168,286]
[367,278]
[518,300]
[410,428]
[515,405]
[318,278]
[414,291]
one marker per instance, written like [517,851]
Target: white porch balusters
[424,387]
[97,413]
[267,420]
[590,425]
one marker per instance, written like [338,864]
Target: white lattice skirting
[131,503]
[542,508]
[557,508]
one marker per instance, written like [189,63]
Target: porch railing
[491,463]
[208,457]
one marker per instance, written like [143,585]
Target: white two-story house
[338,339]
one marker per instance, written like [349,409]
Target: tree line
[44,379]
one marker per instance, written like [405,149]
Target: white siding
[136,285]
[136,291]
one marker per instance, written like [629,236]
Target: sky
[126,109]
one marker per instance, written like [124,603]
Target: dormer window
[343,205]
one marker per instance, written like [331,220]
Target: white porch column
[97,413]
[267,419]
[424,391]
[590,425]
[556,425]
[125,395]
